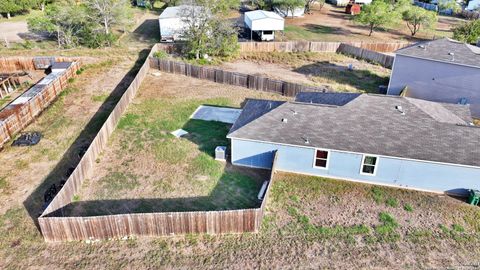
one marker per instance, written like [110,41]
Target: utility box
[474,197]
[221,153]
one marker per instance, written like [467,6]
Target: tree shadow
[35,202]
[358,78]
[147,32]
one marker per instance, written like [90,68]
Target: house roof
[262,14]
[369,123]
[441,50]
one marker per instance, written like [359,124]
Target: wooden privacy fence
[58,228]
[12,64]
[380,58]
[15,117]
[316,46]
[233,78]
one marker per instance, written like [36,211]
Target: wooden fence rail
[233,78]
[12,64]
[14,118]
[59,228]
[301,46]
[369,55]
[316,46]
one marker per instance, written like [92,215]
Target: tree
[288,5]
[206,31]
[468,32]
[108,12]
[377,14]
[416,17]
[65,21]
[9,7]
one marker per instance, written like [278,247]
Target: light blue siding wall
[390,171]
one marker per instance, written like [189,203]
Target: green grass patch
[4,183]
[309,32]
[100,98]
[392,202]
[387,231]
[116,182]
[408,207]
[378,194]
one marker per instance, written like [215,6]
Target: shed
[172,22]
[264,23]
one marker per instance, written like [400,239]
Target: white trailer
[172,22]
[264,23]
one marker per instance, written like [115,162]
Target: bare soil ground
[331,23]
[330,70]
[13,31]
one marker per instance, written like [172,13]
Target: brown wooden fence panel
[233,78]
[317,46]
[380,58]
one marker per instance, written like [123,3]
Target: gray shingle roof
[464,54]
[370,124]
[253,109]
[338,99]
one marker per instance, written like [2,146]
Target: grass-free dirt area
[146,169]
[331,23]
[333,71]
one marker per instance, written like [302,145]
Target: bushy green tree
[377,14]
[417,17]
[468,32]
[9,7]
[206,31]
[64,20]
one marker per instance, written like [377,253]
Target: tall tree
[417,17]
[9,7]
[108,12]
[377,14]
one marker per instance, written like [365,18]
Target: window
[369,165]
[321,159]
[268,32]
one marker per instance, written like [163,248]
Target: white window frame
[374,167]
[315,158]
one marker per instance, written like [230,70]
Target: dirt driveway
[13,31]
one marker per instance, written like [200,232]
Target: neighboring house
[172,22]
[386,140]
[443,70]
[264,24]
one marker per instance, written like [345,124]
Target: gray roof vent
[422,47]
[452,55]
[284,120]
[306,140]
[400,109]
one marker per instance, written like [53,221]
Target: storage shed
[172,22]
[264,23]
